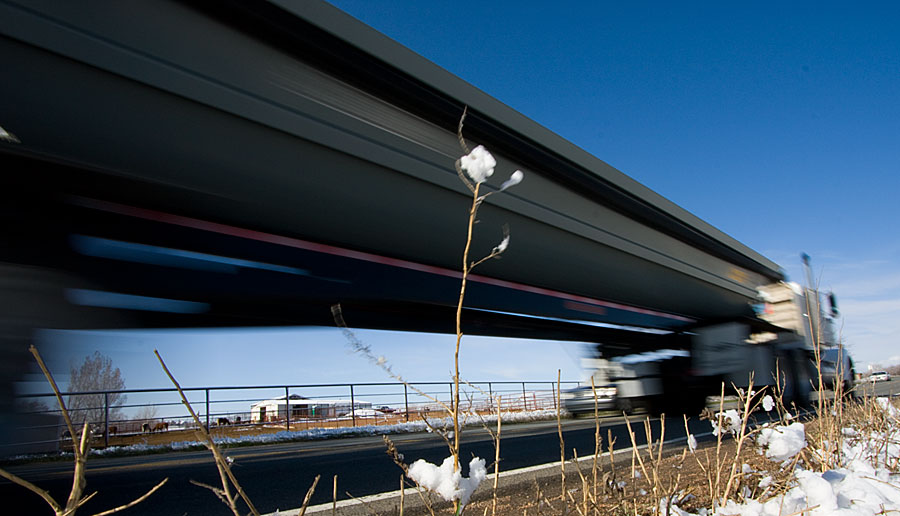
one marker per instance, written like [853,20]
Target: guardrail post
[105,419]
[352,405]
[207,409]
[490,397]
[524,399]
[553,392]
[287,408]
[406,401]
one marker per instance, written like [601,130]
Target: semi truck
[778,349]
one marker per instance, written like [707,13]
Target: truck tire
[625,405]
[797,382]
[688,403]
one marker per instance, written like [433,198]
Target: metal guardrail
[236,410]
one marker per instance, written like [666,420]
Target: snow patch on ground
[782,442]
[866,483]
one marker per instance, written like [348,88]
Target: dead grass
[647,482]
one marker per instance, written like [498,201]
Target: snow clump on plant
[478,164]
[731,422]
[513,180]
[446,482]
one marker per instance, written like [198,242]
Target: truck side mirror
[832,302]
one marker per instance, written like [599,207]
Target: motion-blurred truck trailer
[776,350]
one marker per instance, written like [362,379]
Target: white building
[276,409]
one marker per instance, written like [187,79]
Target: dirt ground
[625,487]
[680,475]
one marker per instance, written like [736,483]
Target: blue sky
[778,124]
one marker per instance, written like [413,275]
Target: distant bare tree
[146,414]
[893,370]
[96,373]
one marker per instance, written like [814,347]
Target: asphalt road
[890,388]
[278,475]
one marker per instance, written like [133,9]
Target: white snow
[866,483]
[768,403]
[782,442]
[478,164]
[692,442]
[446,482]
[502,245]
[513,180]
[890,410]
[731,422]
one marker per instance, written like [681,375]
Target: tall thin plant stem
[221,462]
[462,294]
[562,443]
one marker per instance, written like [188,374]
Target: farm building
[276,409]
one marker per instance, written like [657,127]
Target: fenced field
[157,416]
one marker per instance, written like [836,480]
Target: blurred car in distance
[580,400]
[880,376]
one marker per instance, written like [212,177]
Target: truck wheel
[656,405]
[694,404]
[625,405]
[797,381]
[689,404]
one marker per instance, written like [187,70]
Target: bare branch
[135,501]
[459,128]
[220,459]
[33,488]
[462,176]
[308,496]
[364,350]
[218,492]
[59,399]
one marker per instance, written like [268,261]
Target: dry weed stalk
[562,442]
[402,494]
[597,439]
[366,351]
[662,488]
[80,452]
[826,435]
[308,497]
[495,439]
[397,457]
[478,172]
[478,165]
[610,448]
[222,463]
[747,406]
